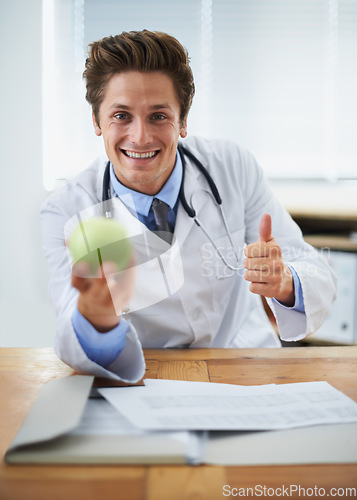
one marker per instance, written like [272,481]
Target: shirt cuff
[102,348]
[299,298]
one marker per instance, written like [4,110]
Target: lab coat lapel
[158,266]
[184,223]
[192,184]
[147,244]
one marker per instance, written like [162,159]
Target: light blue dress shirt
[101,348]
[142,202]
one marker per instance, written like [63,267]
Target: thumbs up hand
[265,268]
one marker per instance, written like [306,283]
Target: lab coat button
[196,314]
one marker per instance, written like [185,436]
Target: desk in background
[24,371]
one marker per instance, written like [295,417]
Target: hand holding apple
[103,270]
[99,240]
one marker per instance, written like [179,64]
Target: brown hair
[143,51]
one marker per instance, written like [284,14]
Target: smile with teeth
[133,154]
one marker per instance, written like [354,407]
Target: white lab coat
[200,310]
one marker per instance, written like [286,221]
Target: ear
[183,131]
[97,129]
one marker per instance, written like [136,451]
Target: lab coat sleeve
[318,282]
[129,366]
[319,292]
[318,285]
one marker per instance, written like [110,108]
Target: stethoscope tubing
[183,151]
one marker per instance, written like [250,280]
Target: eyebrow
[161,106]
[128,108]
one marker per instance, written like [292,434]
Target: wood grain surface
[24,371]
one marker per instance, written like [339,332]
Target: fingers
[265,271]
[279,285]
[265,268]
[103,296]
[259,250]
[264,263]
[106,269]
[267,281]
[265,246]
[264,289]
[81,270]
[265,228]
[87,283]
[80,276]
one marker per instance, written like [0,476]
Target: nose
[139,132]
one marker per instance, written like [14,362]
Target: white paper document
[177,405]
[101,419]
[92,431]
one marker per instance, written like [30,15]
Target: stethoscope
[214,193]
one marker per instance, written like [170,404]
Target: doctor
[140,87]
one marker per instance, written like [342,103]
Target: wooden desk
[24,371]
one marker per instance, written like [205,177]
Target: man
[140,87]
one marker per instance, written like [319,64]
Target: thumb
[265,228]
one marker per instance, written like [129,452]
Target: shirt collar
[141,202]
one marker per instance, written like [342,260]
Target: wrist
[104,325]
[287,295]
[101,322]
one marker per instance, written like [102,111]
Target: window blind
[278,77]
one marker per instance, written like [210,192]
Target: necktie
[160,210]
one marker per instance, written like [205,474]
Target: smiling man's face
[139,120]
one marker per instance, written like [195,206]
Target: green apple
[98,240]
